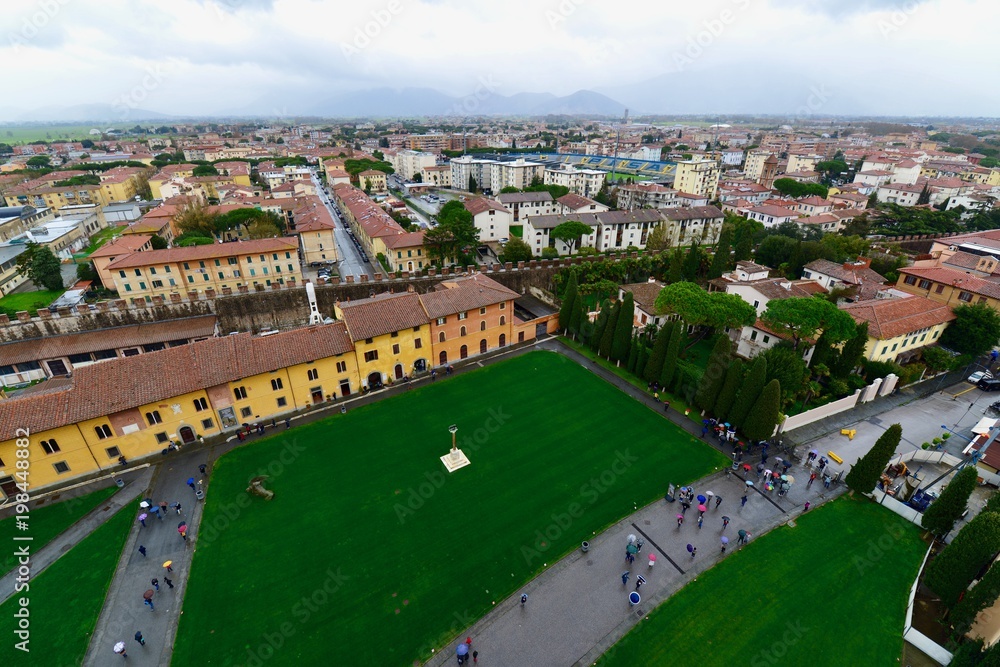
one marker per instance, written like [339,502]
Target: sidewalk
[69,538]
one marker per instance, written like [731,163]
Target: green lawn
[13,134]
[48,521]
[830,591]
[30,301]
[66,598]
[371,549]
[99,239]
[619,176]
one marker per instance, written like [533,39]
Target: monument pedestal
[455,459]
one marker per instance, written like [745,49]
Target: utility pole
[618,136]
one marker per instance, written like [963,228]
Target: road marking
[657,547]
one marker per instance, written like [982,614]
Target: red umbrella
[148,595]
[747,467]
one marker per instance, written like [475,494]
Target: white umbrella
[709,494]
[143,504]
[119,647]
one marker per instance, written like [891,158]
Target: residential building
[769,214]
[753,166]
[698,177]
[586,182]
[573,203]
[899,328]
[312,223]
[405,252]
[368,221]
[116,247]
[391,336]
[644,295]
[693,223]
[469,315]
[902,194]
[858,276]
[491,218]
[411,164]
[527,204]
[813,205]
[646,195]
[10,277]
[129,407]
[949,286]
[438,176]
[537,229]
[200,268]
[798,162]
[754,339]
[372,180]
[493,176]
[620,230]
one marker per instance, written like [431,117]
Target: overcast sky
[733,56]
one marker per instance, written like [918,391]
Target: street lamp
[453,429]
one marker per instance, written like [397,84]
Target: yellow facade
[318,245]
[393,355]
[158,277]
[121,190]
[888,350]
[58,197]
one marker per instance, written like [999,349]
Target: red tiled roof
[127,243]
[116,385]
[575,201]
[889,318]
[479,205]
[382,314]
[464,294]
[201,252]
[959,279]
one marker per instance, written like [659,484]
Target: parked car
[989,384]
[976,377]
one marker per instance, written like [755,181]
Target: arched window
[103,431]
[441,337]
[482,325]
[464,352]
[463,332]
[443,358]
[503,320]
[482,346]
[503,339]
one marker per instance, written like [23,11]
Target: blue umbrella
[702,499]
[463,649]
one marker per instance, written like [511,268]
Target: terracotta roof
[775,288]
[127,243]
[115,385]
[644,295]
[575,201]
[464,294]
[201,252]
[963,260]
[51,347]
[751,267]
[692,213]
[523,197]
[481,204]
[382,314]
[959,279]
[889,318]
[854,274]
[408,240]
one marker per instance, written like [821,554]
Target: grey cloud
[838,8]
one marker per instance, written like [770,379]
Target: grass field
[15,134]
[30,301]
[830,591]
[370,549]
[49,521]
[100,238]
[66,598]
[619,176]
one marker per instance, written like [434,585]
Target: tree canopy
[700,308]
[803,317]
[570,233]
[976,329]
[40,266]
[515,250]
[792,188]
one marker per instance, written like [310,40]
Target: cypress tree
[633,355]
[941,516]
[982,595]
[766,411]
[744,244]
[599,326]
[692,263]
[576,315]
[748,394]
[864,475]
[623,329]
[731,385]
[566,312]
[822,352]
[608,335]
[950,574]
[676,271]
[654,366]
[670,360]
[851,354]
[715,374]
[640,363]
[720,260]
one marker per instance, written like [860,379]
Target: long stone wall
[280,307]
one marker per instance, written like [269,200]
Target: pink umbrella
[652,559]
[142,517]
[701,508]
[680,516]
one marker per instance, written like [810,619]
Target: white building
[693,223]
[769,215]
[494,175]
[586,182]
[902,194]
[491,219]
[527,204]
[409,164]
[646,195]
[573,203]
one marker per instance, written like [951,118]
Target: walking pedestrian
[656,396]
[274,423]
[826,481]
[156,583]
[743,500]
[680,520]
[177,505]
[149,603]
[742,536]
[142,519]
[701,519]
[631,558]
[202,468]
[120,649]
[693,550]
[806,508]
[639,581]
[167,565]
[704,430]
[685,505]
[725,522]
[812,478]
[524,598]
[168,582]
[625,578]
[475,656]
[142,550]
[718,501]
[288,423]
[666,406]
[139,638]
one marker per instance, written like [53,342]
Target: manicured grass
[30,301]
[830,591]
[66,598]
[100,238]
[393,555]
[47,522]
[13,134]
[619,176]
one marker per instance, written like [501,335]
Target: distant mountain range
[377,102]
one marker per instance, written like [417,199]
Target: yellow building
[899,328]
[169,173]
[121,183]
[697,177]
[314,226]
[78,426]
[115,248]
[372,180]
[199,268]
[403,252]
[391,336]
[57,197]
[949,286]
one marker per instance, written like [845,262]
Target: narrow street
[350,258]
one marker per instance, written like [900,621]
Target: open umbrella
[633,598]
[144,504]
[143,516]
[701,498]
[784,478]
[632,549]
[789,479]
[463,649]
[148,595]
[725,540]
[709,494]
[726,424]
[742,533]
[813,451]
[690,548]
[632,538]
[747,467]
[120,647]
[749,482]
[168,563]
[702,508]
[652,559]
